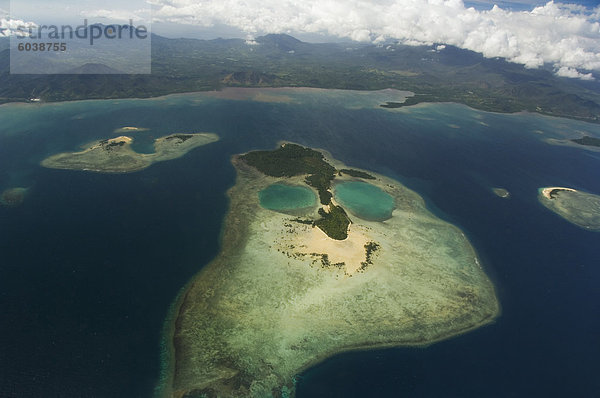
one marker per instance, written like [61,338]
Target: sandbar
[116,156]
[282,296]
[130,129]
[577,207]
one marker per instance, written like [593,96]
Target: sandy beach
[547,191]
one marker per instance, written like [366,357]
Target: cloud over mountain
[566,36]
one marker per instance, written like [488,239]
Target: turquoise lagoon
[364,200]
[282,197]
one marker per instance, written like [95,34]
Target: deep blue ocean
[90,263]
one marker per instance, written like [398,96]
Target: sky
[528,32]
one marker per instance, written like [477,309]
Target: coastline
[167,349]
[221,92]
[234,241]
[224,92]
[547,192]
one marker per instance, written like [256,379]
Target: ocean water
[280,197]
[90,263]
[364,200]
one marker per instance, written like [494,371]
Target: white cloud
[10,27]
[565,71]
[561,35]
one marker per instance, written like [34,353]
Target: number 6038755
[42,47]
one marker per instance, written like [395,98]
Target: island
[289,290]
[579,208]
[115,155]
[501,192]
[130,129]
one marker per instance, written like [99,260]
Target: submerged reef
[13,197]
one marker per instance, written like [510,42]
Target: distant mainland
[279,60]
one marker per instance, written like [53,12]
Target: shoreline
[223,89]
[548,191]
[167,348]
[233,246]
[211,92]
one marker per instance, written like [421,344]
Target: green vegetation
[587,141]
[370,248]
[325,263]
[451,75]
[417,99]
[182,137]
[303,221]
[109,146]
[357,173]
[334,223]
[291,160]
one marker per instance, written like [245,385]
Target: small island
[130,129]
[116,156]
[289,290]
[501,192]
[579,208]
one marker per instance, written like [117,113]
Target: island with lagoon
[577,207]
[308,269]
[115,155]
